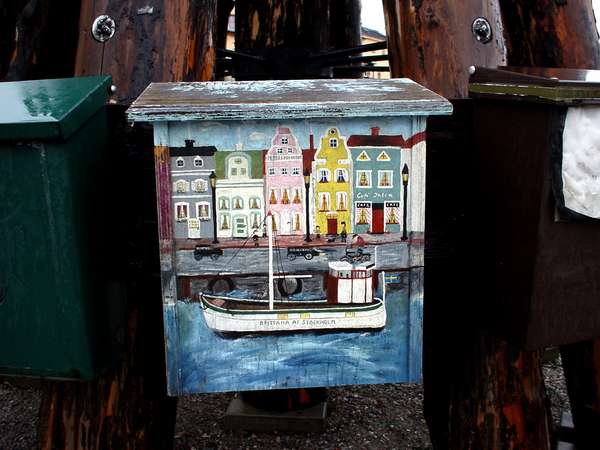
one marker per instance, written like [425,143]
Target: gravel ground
[361,417]
[556,389]
[18,416]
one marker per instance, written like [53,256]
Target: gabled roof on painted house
[283,131]
[377,140]
[190,150]
[257,163]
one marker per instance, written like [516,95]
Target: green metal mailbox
[58,305]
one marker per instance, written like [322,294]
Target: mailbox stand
[252,298]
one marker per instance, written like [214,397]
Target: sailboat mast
[271,279]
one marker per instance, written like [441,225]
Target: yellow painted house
[332,169]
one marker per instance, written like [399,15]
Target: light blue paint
[200,360]
[208,362]
[415,341]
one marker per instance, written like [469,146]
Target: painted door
[332,226]
[240,227]
[193,228]
[378,224]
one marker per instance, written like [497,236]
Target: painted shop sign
[291,218]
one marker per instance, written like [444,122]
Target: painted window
[238,203]
[198,162]
[284,171]
[363,156]
[254,203]
[324,201]
[297,196]
[181,186]
[341,175]
[383,156]
[363,213]
[200,185]
[181,211]
[180,162]
[363,178]
[223,203]
[290,150]
[341,201]
[333,142]
[273,197]
[284,140]
[255,221]
[297,222]
[285,198]
[392,213]
[224,222]
[238,166]
[323,176]
[203,210]
[275,222]
[296,171]
[271,170]
[385,178]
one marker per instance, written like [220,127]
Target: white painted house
[240,198]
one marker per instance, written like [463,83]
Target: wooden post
[551,33]
[299,24]
[128,407]
[345,24]
[431,41]
[480,392]
[162,41]
[285,32]
[37,39]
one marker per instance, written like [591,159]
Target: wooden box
[538,234]
[291,218]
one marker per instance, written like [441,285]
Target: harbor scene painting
[298,253]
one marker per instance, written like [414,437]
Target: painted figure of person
[344,233]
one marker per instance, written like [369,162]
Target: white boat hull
[344,317]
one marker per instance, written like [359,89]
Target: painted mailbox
[291,219]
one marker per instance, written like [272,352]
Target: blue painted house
[191,167]
[377,183]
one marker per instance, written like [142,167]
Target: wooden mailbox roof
[537,84]
[293,99]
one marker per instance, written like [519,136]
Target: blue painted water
[199,360]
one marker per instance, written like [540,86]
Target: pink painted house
[284,183]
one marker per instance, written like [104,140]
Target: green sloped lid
[49,109]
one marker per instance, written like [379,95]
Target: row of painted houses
[355,186]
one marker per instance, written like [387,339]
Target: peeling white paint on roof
[239,100]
